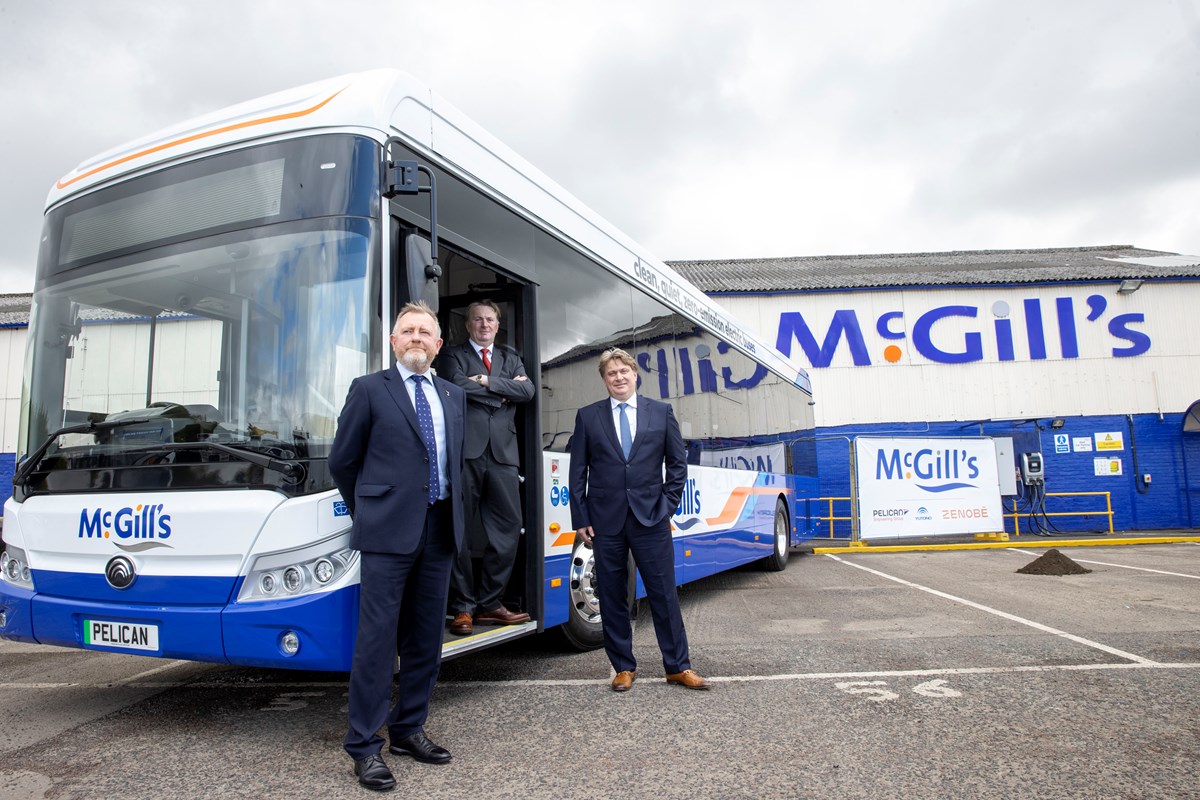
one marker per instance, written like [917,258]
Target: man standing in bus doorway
[495,381]
[628,469]
[397,460]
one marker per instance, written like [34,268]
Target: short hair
[420,307]
[486,304]
[618,354]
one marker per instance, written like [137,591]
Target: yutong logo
[931,466]
[120,573]
[142,521]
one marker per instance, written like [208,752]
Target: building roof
[14,310]
[956,268]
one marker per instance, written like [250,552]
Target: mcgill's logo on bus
[144,521]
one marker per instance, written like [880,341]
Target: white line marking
[149,672]
[1121,566]
[601,682]
[997,612]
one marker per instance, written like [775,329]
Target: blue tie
[425,419]
[626,435]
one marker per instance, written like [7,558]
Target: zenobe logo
[143,521]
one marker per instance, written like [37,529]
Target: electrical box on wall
[1005,460]
[1033,471]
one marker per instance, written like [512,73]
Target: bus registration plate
[126,635]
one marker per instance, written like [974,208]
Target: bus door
[466,279]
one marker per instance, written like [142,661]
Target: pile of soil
[1053,562]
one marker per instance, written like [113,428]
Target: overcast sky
[702,129]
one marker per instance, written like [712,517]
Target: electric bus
[204,297]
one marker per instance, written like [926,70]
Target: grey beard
[415,360]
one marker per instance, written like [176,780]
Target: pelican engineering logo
[120,572]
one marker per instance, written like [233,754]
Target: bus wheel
[777,561]
[582,628]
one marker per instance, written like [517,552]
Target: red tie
[487,362]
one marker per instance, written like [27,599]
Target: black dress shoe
[419,747]
[374,774]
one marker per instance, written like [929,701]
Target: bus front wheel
[582,628]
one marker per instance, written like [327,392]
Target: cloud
[703,129]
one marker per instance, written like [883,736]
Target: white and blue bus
[205,295]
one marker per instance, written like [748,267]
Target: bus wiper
[21,476]
[292,470]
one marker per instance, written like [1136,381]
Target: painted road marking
[1002,614]
[152,671]
[601,682]
[1121,566]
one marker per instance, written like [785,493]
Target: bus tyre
[777,561]
[582,629]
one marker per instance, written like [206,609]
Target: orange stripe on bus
[564,538]
[194,137]
[737,501]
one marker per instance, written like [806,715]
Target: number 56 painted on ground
[877,691]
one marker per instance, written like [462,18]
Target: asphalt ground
[922,674]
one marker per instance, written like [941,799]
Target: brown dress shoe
[500,616]
[623,681]
[689,678]
[462,624]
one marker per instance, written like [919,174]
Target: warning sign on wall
[1111,440]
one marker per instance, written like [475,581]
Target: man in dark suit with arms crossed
[495,381]
[397,460]
[621,503]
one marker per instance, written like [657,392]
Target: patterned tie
[425,419]
[487,362]
[626,434]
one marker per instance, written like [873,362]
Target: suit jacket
[489,419]
[378,462]
[604,486]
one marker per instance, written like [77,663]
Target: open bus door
[463,280]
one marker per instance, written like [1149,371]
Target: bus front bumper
[320,626]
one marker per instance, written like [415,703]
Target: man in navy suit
[628,469]
[495,381]
[397,460]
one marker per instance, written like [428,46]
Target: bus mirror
[421,270]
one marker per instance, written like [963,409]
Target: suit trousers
[402,598]
[496,488]
[654,554]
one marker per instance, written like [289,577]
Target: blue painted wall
[1170,501]
[7,465]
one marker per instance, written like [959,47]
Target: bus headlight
[293,580]
[295,573]
[14,567]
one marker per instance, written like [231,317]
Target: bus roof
[388,102]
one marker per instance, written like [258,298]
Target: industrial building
[1090,356]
